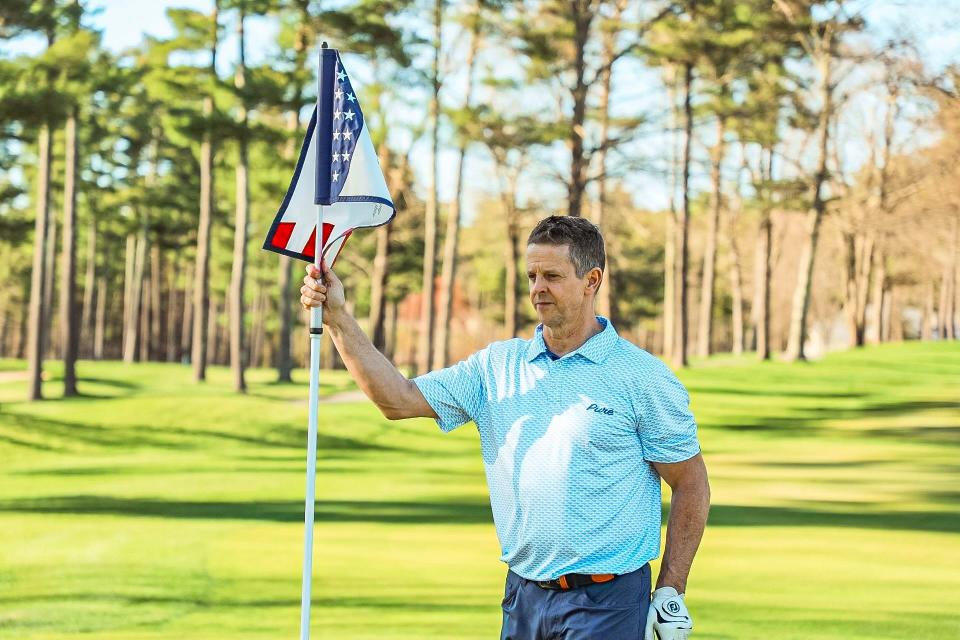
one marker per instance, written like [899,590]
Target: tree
[675,40]
[510,140]
[557,43]
[201,274]
[820,39]
[78,47]
[425,341]
[239,264]
[37,323]
[610,27]
[473,20]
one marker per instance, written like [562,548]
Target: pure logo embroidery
[598,409]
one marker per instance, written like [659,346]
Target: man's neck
[563,340]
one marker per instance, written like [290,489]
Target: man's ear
[594,279]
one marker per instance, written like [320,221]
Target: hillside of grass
[151,507]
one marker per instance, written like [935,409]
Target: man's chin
[548,319]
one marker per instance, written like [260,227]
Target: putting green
[155,508]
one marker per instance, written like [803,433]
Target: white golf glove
[668,616]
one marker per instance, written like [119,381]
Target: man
[577,427]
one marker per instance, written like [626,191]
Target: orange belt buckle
[602,577]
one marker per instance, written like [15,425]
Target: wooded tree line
[812,173]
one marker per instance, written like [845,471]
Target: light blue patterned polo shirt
[567,446]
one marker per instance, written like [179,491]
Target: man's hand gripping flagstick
[668,618]
[322,287]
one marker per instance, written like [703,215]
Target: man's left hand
[668,616]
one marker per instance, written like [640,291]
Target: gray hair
[582,236]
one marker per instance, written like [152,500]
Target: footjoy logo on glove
[598,409]
[673,607]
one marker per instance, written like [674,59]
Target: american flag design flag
[337,168]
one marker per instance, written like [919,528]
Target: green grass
[155,508]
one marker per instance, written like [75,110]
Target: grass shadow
[53,435]
[724,515]
[426,512]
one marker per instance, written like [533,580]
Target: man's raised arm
[395,395]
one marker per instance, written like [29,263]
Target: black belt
[574,581]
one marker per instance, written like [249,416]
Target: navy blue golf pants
[614,610]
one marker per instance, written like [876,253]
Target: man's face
[556,292]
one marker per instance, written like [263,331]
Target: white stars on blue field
[347,123]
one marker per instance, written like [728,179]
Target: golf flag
[337,168]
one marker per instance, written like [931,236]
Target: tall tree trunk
[284,359]
[378,288]
[237,364]
[101,318]
[68,291]
[4,330]
[448,274]
[390,329]
[51,335]
[801,299]
[130,254]
[286,302]
[892,326]
[89,290]
[132,330]
[850,301]
[670,283]
[21,351]
[944,306]
[670,232]
[186,329]
[257,329]
[761,301]
[201,286]
[926,327]
[511,257]
[680,351]
[212,332]
[736,290]
[879,287]
[156,309]
[285,266]
[860,248]
[705,335]
[425,341]
[174,311]
[38,312]
[143,342]
[381,261]
[582,15]
[603,302]
[951,306]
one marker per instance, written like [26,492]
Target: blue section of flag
[345,124]
[326,74]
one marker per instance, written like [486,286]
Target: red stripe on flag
[311,243]
[282,235]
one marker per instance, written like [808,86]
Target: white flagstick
[316,331]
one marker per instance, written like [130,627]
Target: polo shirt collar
[595,349]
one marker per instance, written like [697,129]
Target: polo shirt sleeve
[456,393]
[668,432]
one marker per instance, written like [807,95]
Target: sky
[934,24]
